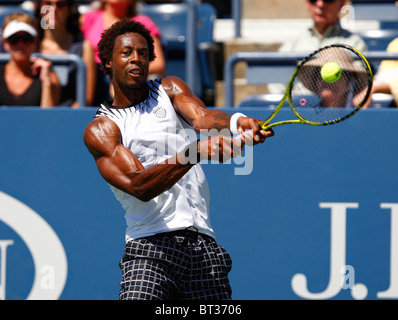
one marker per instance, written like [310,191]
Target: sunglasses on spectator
[59,4]
[326,1]
[25,37]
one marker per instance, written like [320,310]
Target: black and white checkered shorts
[175,265]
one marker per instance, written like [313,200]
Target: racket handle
[266,126]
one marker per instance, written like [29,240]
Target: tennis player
[144,148]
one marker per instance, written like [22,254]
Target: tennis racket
[320,102]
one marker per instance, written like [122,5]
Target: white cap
[18,26]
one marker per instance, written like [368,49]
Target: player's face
[130,60]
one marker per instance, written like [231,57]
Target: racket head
[318,102]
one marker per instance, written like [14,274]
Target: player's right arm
[122,169]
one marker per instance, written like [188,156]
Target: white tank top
[153,131]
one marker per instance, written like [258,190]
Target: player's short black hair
[107,42]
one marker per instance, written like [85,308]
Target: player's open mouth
[135,72]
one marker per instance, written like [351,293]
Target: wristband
[233,123]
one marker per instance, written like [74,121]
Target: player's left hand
[252,134]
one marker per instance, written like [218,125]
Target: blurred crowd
[58,27]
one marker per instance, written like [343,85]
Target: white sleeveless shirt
[153,131]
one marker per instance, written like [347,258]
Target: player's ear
[109,64]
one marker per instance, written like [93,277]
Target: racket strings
[317,100]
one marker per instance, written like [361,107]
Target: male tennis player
[144,148]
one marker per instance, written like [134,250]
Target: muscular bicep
[116,164]
[192,109]
[120,168]
[186,104]
[123,170]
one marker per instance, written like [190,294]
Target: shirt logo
[160,112]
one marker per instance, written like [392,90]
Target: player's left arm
[194,111]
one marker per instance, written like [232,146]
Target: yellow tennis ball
[331,72]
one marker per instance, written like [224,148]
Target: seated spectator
[326,30]
[25,80]
[386,78]
[94,23]
[62,35]
[352,77]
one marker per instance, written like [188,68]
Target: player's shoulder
[174,85]
[101,123]
[99,131]
[169,80]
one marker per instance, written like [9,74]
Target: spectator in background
[94,23]
[353,83]
[223,8]
[326,30]
[60,36]
[25,80]
[386,78]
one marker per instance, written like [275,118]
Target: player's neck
[129,96]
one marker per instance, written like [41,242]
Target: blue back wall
[310,214]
